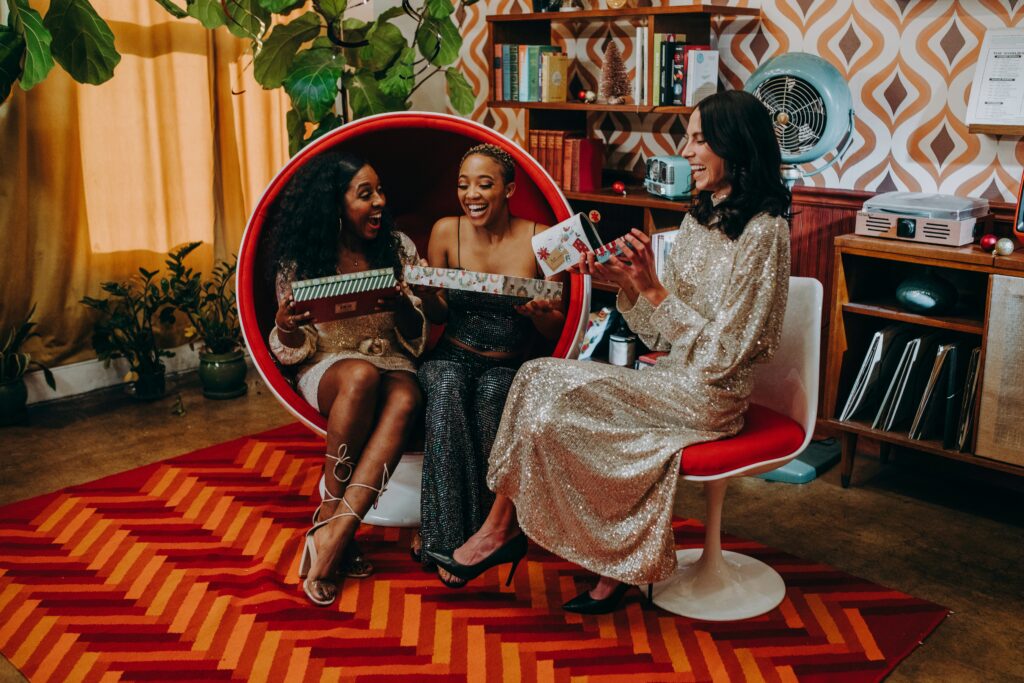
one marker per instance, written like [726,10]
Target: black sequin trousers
[465,395]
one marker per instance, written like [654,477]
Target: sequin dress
[374,338]
[590,452]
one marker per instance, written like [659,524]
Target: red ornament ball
[581,95]
[988,242]
[619,187]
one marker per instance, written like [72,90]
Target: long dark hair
[306,221]
[739,129]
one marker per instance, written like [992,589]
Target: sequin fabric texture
[465,397]
[373,338]
[590,452]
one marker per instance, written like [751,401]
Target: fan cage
[797,110]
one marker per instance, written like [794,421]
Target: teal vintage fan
[811,108]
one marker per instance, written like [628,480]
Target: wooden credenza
[989,313]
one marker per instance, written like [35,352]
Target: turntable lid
[928,205]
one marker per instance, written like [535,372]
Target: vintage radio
[668,177]
[922,217]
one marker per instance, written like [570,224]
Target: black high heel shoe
[513,550]
[585,604]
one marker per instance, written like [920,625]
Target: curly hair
[503,159]
[306,222]
[739,129]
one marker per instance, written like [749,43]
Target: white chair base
[735,587]
[400,504]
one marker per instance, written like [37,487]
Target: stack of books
[573,160]
[919,382]
[530,73]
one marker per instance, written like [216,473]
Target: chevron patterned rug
[186,570]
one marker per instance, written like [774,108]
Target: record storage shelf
[862,302]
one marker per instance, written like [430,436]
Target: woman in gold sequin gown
[357,371]
[587,455]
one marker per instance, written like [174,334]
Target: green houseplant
[126,329]
[314,54]
[13,364]
[212,314]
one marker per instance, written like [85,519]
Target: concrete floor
[935,529]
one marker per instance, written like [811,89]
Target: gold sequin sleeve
[288,355]
[752,303]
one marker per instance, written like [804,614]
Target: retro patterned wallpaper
[909,64]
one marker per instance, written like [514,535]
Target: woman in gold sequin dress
[357,371]
[587,455]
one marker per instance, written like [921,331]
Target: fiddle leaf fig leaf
[386,41]
[398,80]
[173,8]
[326,125]
[82,42]
[459,92]
[439,9]
[275,57]
[366,98]
[391,13]
[12,47]
[210,13]
[296,131]
[247,18]
[280,6]
[439,41]
[312,83]
[38,59]
[332,9]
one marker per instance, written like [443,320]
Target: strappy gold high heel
[309,552]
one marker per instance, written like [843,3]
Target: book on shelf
[499,91]
[343,296]
[554,77]
[970,390]
[865,395]
[673,75]
[701,75]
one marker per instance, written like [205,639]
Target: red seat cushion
[766,435]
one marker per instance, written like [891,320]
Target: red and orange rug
[186,570]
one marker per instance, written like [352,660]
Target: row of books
[683,73]
[917,381]
[530,73]
[573,160]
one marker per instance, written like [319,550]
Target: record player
[922,217]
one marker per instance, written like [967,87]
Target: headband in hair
[503,158]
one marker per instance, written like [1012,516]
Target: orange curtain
[96,181]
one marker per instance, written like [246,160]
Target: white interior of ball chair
[715,585]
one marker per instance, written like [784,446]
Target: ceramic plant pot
[927,294]
[13,396]
[222,374]
[151,384]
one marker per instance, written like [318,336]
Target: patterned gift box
[342,285]
[472,281]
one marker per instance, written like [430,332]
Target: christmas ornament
[595,216]
[582,95]
[590,97]
[619,187]
[988,242]
[616,4]
[1004,247]
[614,82]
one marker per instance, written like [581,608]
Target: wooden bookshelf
[636,207]
[865,274]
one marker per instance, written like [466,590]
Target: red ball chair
[417,156]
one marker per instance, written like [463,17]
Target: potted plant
[13,364]
[125,329]
[212,314]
